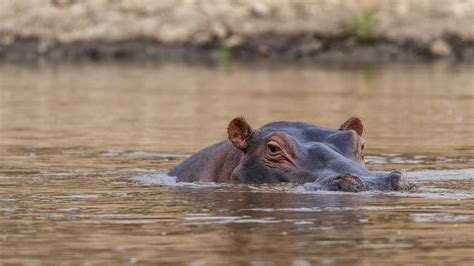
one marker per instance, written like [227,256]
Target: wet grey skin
[299,152]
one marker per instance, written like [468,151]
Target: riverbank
[319,31]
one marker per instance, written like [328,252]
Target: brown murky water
[84,150]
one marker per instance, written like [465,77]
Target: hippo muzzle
[349,182]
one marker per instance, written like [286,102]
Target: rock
[310,47]
[7,40]
[233,41]
[219,30]
[259,8]
[440,48]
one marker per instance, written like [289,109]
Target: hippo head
[300,152]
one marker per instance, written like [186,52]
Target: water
[84,151]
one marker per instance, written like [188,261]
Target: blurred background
[94,92]
[169,75]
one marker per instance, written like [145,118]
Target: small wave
[72,197]
[414,159]
[162,178]
[79,196]
[156,179]
[343,209]
[202,219]
[72,209]
[433,193]
[438,175]
[421,192]
[440,217]
[142,154]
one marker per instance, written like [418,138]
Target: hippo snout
[349,182]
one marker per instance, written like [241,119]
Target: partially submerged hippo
[289,152]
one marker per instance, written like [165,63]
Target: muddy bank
[326,30]
[267,47]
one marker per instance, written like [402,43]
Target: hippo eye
[273,147]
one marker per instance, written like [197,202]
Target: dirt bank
[323,30]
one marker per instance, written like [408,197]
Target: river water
[84,151]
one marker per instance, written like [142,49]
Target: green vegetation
[224,54]
[363,26]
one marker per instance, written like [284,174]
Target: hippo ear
[239,133]
[353,123]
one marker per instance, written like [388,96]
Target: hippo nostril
[398,180]
[349,179]
[349,183]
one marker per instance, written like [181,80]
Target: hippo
[299,152]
